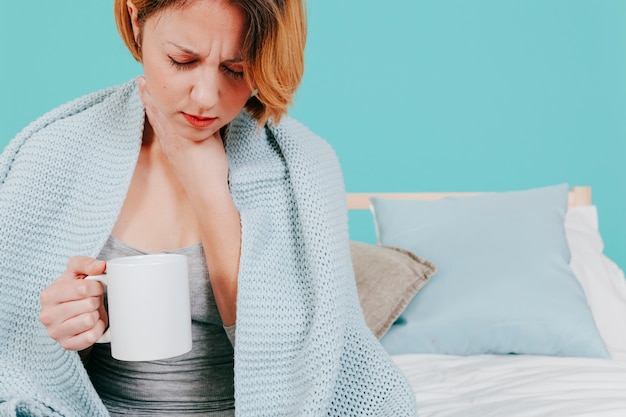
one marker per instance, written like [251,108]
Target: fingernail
[141,81]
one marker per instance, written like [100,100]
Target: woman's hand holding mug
[148,302]
[72,308]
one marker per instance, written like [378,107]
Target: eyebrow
[196,55]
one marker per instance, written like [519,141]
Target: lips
[198,121]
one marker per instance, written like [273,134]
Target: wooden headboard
[578,196]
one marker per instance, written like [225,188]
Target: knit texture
[302,349]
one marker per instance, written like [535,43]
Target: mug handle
[106,336]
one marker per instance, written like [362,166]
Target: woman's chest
[156,214]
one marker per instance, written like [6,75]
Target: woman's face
[192,65]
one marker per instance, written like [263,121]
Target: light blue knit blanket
[302,347]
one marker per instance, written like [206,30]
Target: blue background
[415,95]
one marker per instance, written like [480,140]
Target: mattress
[515,386]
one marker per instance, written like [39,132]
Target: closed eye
[231,70]
[182,65]
[235,72]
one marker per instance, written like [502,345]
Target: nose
[205,90]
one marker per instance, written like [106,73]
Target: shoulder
[309,157]
[293,141]
[293,129]
[301,142]
[94,122]
[276,147]
[109,100]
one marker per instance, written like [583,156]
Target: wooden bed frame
[578,196]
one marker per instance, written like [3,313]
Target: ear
[134,20]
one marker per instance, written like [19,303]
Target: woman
[214,170]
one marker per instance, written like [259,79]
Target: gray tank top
[200,382]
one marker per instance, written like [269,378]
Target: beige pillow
[387,278]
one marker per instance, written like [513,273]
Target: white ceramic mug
[148,306]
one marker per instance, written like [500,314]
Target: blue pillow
[503,284]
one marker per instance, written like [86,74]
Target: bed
[496,304]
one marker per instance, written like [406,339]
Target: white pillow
[602,280]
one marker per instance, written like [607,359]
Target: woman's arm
[201,168]
[220,230]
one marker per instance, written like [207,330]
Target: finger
[151,111]
[72,326]
[218,136]
[153,115]
[84,339]
[70,310]
[54,316]
[80,266]
[102,311]
[65,290]
[78,324]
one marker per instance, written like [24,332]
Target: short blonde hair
[273,47]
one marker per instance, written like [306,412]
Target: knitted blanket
[302,348]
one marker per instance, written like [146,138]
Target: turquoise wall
[426,95]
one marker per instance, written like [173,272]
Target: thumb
[96,267]
[79,266]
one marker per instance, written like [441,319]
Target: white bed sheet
[515,386]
